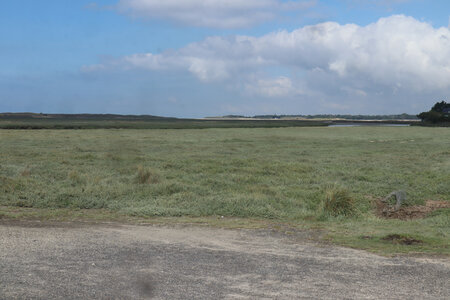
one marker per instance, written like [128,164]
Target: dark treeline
[438,114]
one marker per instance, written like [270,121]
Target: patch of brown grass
[146,176]
[26,172]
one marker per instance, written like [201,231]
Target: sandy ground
[76,261]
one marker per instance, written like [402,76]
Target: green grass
[274,174]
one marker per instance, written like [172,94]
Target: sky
[198,58]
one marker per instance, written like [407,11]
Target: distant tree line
[345,117]
[439,113]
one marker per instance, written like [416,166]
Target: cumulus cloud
[211,13]
[394,54]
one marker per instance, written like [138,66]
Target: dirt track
[61,261]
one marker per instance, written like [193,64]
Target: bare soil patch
[386,211]
[401,239]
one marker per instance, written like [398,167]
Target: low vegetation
[108,121]
[98,121]
[323,178]
[146,176]
[338,202]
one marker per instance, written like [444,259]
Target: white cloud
[214,59]
[211,13]
[394,55]
[379,2]
[275,87]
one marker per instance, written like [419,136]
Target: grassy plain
[268,175]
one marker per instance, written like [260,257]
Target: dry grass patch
[26,172]
[146,176]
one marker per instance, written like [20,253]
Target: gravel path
[76,261]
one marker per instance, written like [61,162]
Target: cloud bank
[398,55]
[211,13]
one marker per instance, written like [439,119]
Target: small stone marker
[400,196]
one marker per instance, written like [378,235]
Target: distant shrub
[146,176]
[338,202]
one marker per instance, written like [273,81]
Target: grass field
[280,175]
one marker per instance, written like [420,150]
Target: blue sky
[198,58]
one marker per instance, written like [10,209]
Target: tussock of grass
[146,176]
[338,202]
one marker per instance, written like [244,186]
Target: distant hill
[99,117]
